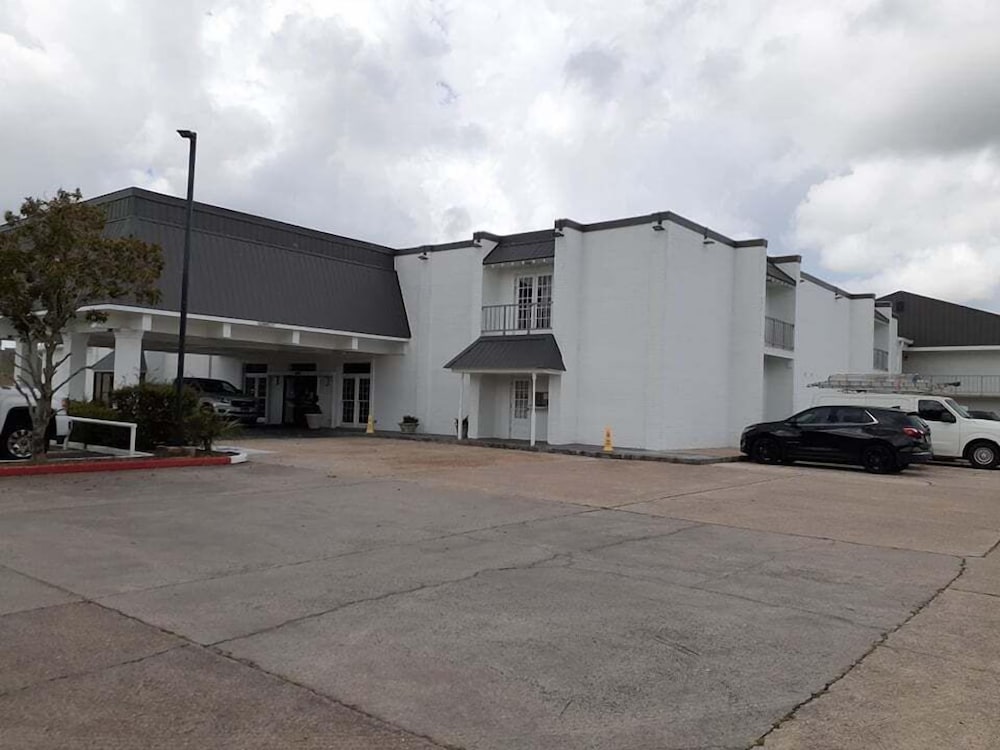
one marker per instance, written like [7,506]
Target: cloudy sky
[863,134]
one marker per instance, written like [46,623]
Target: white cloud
[927,224]
[405,121]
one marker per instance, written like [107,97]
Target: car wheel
[16,442]
[878,459]
[766,450]
[983,455]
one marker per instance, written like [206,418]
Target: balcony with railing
[880,360]
[523,317]
[779,334]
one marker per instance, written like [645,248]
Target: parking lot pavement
[360,593]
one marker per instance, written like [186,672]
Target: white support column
[474,405]
[534,383]
[77,362]
[128,357]
[461,405]
[22,373]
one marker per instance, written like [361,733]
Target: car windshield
[216,386]
[957,408]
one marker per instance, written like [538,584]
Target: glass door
[255,385]
[364,390]
[520,409]
[356,395]
[533,298]
[525,300]
[348,397]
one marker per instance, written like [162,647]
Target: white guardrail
[89,420]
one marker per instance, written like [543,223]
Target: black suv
[880,440]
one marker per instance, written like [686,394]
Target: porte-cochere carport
[285,301]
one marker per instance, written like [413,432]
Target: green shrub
[152,407]
[95,434]
[205,427]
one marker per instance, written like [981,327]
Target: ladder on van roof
[885,383]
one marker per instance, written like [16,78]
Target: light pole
[192,138]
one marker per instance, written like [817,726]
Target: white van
[954,434]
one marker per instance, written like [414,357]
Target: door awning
[107,364]
[527,353]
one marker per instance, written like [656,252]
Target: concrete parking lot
[362,593]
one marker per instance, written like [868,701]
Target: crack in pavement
[94,670]
[250,664]
[790,715]
[800,535]
[185,642]
[437,584]
[263,568]
[690,587]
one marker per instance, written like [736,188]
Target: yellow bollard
[608,446]
[370,429]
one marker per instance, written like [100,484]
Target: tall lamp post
[192,139]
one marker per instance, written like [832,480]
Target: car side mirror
[947,416]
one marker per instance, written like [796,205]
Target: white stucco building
[671,334]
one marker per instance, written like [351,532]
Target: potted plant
[313,415]
[409,424]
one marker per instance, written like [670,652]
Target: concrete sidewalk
[691,456]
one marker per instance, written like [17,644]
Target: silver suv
[223,398]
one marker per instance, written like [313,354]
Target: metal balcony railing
[517,318]
[880,360]
[779,334]
[967,385]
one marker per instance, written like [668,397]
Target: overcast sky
[863,134]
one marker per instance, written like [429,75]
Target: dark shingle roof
[249,268]
[512,353]
[521,247]
[933,322]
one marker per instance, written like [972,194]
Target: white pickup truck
[15,425]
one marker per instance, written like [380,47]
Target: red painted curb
[77,467]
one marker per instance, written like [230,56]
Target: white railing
[968,385]
[880,359]
[132,427]
[521,317]
[779,334]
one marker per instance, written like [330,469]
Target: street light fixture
[192,138]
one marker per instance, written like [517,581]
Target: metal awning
[107,364]
[776,276]
[528,353]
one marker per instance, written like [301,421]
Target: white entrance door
[355,400]
[520,408]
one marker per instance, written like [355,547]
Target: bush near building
[152,407]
